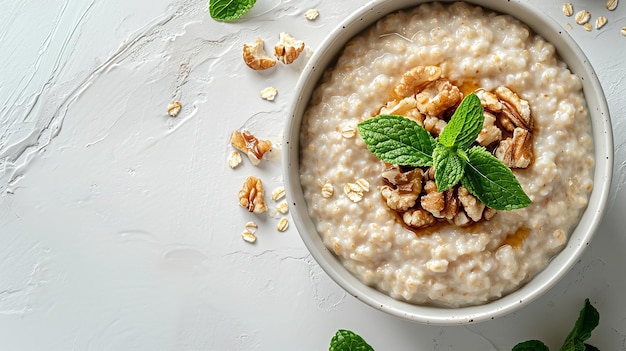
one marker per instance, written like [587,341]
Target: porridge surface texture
[446,265]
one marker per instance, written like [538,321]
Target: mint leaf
[346,340]
[449,167]
[530,345]
[229,10]
[398,140]
[587,321]
[465,124]
[492,182]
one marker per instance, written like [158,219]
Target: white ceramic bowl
[561,263]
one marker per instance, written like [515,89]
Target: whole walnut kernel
[252,195]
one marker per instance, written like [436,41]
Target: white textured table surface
[119,225]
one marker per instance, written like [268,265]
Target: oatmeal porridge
[446,263]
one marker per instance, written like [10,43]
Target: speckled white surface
[119,226]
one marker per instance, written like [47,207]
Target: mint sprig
[229,10]
[398,140]
[346,340]
[401,141]
[492,182]
[588,320]
[464,125]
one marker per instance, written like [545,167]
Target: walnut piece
[234,159]
[489,100]
[437,97]
[173,109]
[288,48]
[255,57]
[434,125]
[471,205]
[404,188]
[490,132]
[415,79]
[252,196]
[516,151]
[246,142]
[406,107]
[515,108]
[418,218]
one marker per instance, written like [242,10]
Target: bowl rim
[568,50]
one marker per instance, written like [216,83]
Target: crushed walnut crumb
[311,14]
[173,109]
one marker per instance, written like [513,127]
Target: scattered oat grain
[588,27]
[282,224]
[174,108]
[611,4]
[600,22]
[353,191]
[248,236]
[364,184]
[348,133]
[623,31]
[234,159]
[251,227]
[282,207]
[568,25]
[582,17]
[278,193]
[568,9]
[269,93]
[327,190]
[311,14]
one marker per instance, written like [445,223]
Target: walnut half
[288,48]
[252,195]
[255,57]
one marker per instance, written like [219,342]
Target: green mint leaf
[398,140]
[465,124]
[346,340]
[492,182]
[449,167]
[530,345]
[229,10]
[591,348]
[587,321]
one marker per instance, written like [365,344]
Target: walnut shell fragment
[255,57]
[252,195]
[288,48]
[249,144]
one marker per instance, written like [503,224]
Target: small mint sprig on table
[588,320]
[401,141]
[229,10]
[346,340]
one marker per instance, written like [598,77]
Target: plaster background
[119,226]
